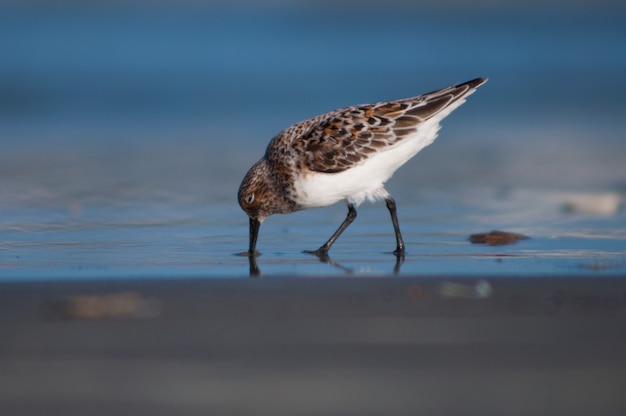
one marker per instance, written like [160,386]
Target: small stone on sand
[496,238]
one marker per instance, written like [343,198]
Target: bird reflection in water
[255,271]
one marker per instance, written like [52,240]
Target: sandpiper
[346,154]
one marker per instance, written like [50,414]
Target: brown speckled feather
[341,139]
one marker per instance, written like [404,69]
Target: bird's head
[258,198]
[255,192]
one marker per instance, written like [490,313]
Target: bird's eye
[250,199]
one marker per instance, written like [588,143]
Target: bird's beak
[254,233]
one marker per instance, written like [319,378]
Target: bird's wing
[341,139]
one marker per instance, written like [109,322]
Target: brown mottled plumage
[344,154]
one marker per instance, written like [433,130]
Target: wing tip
[474,83]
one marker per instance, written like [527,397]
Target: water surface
[125,133]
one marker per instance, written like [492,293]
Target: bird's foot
[254,253]
[320,252]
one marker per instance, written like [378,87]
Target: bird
[346,154]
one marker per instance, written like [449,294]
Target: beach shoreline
[304,346]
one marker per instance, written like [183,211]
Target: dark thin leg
[324,249]
[391,206]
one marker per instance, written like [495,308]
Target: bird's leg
[391,206]
[323,250]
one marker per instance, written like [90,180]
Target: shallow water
[122,149]
[200,240]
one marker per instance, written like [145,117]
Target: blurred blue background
[164,105]
[216,76]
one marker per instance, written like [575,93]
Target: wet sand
[311,346]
